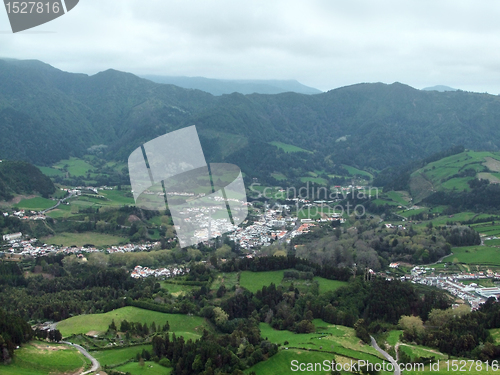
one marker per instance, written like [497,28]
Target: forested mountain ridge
[47,115]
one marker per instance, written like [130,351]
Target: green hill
[454,172]
[18,177]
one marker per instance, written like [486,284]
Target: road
[57,204]
[95,362]
[397,370]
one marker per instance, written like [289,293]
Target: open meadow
[42,358]
[183,325]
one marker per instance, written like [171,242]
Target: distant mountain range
[220,86]
[47,115]
[439,88]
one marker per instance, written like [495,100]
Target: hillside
[454,173]
[368,126]
[23,178]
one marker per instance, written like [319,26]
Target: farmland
[41,358]
[85,238]
[188,326]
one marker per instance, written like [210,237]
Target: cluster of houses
[470,293]
[27,215]
[29,247]
[164,273]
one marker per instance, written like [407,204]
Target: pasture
[288,148]
[42,358]
[35,204]
[475,255]
[254,281]
[84,238]
[118,356]
[149,368]
[187,326]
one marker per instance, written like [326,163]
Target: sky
[321,43]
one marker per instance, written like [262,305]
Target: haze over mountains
[220,87]
[47,115]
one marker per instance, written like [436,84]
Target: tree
[412,326]
[220,316]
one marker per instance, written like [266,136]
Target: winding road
[397,370]
[95,362]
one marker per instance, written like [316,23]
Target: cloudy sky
[321,43]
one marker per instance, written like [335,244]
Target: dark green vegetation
[14,331]
[112,113]
[17,177]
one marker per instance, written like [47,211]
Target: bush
[165,362]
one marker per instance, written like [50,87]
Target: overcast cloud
[321,43]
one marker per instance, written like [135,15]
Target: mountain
[47,115]
[222,86]
[439,88]
[17,177]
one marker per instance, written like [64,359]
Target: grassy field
[288,148]
[75,166]
[117,356]
[398,197]
[326,285]
[355,171]
[80,239]
[475,255]
[41,358]
[149,368]
[393,337]
[495,333]
[331,339]
[415,351]
[315,180]
[177,289]
[35,204]
[228,279]
[187,326]
[254,281]
[51,172]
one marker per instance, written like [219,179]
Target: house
[12,236]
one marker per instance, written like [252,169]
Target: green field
[288,148]
[444,174]
[177,289]
[35,204]
[187,326]
[254,281]
[315,180]
[355,171]
[326,285]
[118,356]
[280,363]
[149,368]
[495,333]
[51,172]
[393,337]
[41,358]
[80,239]
[228,279]
[75,166]
[328,338]
[397,197]
[415,351]
[475,255]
